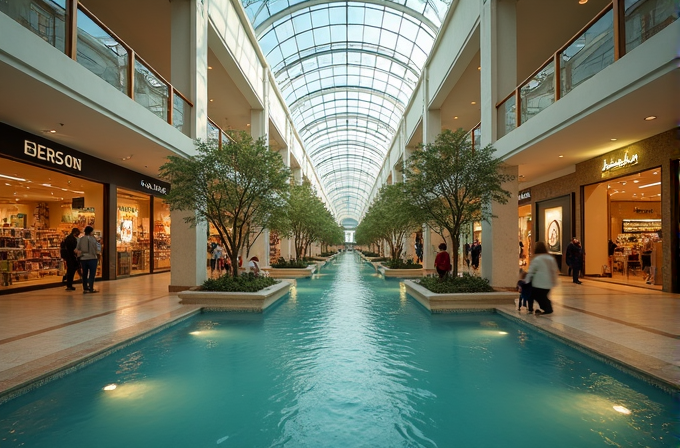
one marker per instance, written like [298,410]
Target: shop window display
[36,213]
[161,235]
[133,237]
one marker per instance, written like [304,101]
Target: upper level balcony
[603,82]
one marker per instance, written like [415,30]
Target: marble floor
[49,331]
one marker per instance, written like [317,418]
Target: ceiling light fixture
[474,102]
[650,118]
[613,139]
[650,185]
[211,100]
[210,67]
[636,181]
[582,2]
[560,156]
[656,172]
[455,118]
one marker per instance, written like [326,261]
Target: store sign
[128,210]
[154,187]
[644,210]
[612,164]
[47,154]
[524,195]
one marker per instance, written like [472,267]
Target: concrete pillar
[188,257]
[432,127]
[189,66]
[259,118]
[498,56]
[499,238]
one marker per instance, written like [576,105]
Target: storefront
[525,227]
[623,206]
[46,189]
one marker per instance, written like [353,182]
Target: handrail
[585,28]
[555,58]
[73,7]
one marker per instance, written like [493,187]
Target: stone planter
[400,273]
[254,302]
[290,272]
[439,303]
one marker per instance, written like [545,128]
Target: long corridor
[44,332]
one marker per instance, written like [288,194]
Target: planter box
[254,302]
[400,273]
[438,303]
[290,272]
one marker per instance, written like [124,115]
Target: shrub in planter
[380,260]
[466,283]
[248,282]
[327,254]
[281,263]
[370,254]
[400,264]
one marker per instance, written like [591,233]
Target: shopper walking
[68,247]
[87,251]
[442,262]
[475,253]
[542,275]
[575,259]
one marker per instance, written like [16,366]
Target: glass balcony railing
[595,47]
[89,42]
[216,134]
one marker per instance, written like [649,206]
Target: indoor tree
[453,184]
[234,188]
[308,218]
[392,217]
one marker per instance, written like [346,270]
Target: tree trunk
[455,241]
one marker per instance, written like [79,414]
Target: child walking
[524,289]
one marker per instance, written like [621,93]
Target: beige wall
[657,151]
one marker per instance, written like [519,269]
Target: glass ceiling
[346,71]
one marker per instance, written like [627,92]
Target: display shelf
[29,254]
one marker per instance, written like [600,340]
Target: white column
[498,56]
[500,238]
[432,127]
[189,74]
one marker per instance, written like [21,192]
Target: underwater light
[502,332]
[195,332]
[110,387]
[622,410]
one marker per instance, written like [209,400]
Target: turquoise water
[348,360]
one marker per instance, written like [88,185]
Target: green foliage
[370,254]
[455,284]
[400,264]
[327,254]
[235,188]
[282,263]
[243,283]
[453,184]
[309,220]
[391,218]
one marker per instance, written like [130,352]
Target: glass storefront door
[133,233]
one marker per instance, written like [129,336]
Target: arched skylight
[346,71]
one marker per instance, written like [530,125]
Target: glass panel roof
[346,71]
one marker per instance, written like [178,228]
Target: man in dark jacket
[574,258]
[68,247]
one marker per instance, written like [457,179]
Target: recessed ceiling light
[210,67]
[455,118]
[636,181]
[479,68]
[582,2]
[656,172]
[650,118]
[650,185]
[560,156]
[211,100]
[613,139]
[474,102]
[248,124]
[623,183]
